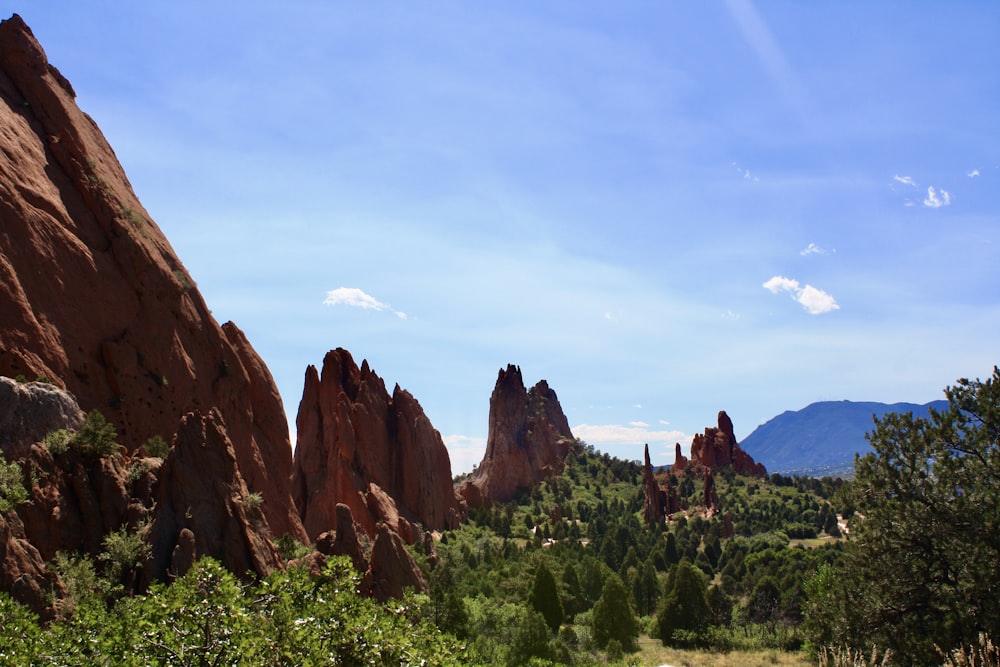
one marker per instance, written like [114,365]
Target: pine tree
[684,610]
[545,598]
[613,617]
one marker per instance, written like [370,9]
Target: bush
[12,490]
[158,447]
[96,436]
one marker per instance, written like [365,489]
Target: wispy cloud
[905,180]
[936,200]
[812,249]
[813,299]
[356,298]
[636,433]
[973,173]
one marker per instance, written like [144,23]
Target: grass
[653,652]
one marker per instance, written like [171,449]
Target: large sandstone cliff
[376,453]
[528,440]
[93,297]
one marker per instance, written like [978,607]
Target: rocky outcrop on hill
[392,569]
[23,572]
[204,508]
[528,440]
[680,461]
[377,454]
[30,411]
[659,503]
[717,448]
[93,297]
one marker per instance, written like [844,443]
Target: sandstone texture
[717,448]
[94,299]
[659,502]
[528,441]
[373,452]
[204,507]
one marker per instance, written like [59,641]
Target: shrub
[58,441]
[158,447]
[12,490]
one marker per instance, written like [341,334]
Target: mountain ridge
[822,434]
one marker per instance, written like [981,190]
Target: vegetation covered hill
[568,573]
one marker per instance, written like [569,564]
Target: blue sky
[665,209]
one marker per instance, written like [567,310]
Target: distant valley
[822,438]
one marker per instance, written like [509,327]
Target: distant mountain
[823,436]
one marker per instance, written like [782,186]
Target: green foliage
[19,634]
[12,489]
[96,436]
[124,553]
[921,569]
[157,446]
[544,598]
[684,609]
[613,618]
[208,617]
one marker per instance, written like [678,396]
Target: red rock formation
[717,448]
[710,494]
[654,498]
[528,440]
[204,508]
[345,540]
[93,297]
[680,461]
[392,570]
[375,453]
[23,573]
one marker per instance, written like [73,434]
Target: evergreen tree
[684,610]
[921,572]
[544,598]
[613,617]
[573,591]
[646,589]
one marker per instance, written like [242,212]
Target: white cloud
[465,452]
[616,434]
[812,249]
[973,173]
[934,200]
[905,180]
[356,298]
[813,299]
[638,424]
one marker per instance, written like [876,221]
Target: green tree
[646,589]
[921,571]
[544,598]
[613,618]
[684,611]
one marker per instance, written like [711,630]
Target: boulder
[392,570]
[528,441]
[30,411]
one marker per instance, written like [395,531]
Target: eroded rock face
[527,442]
[374,453]
[654,499]
[23,572]
[391,570]
[204,508]
[93,297]
[717,448]
[30,411]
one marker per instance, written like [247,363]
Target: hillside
[823,435]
